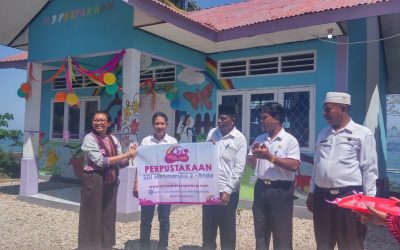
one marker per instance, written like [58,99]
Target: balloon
[109,78]
[112,89]
[167,87]
[170,96]
[26,88]
[21,93]
[72,99]
[60,96]
[174,104]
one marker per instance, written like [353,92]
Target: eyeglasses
[99,120]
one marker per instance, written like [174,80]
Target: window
[161,75]
[74,120]
[298,103]
[81,82]
[265,65]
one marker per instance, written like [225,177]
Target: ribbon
[68,75]
[59,71]
[108,66]
[151,84]
[93,78]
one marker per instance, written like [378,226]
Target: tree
[12,134]
[9,161]
[186,5]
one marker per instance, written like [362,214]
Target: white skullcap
[338,97]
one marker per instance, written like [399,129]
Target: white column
[375,99]
[126,203]
[29,167]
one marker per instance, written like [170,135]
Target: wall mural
[200,98]
[130,122]
[191,96]
[66,157]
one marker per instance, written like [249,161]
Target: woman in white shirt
[160,136]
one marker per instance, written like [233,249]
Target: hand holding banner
[187,173]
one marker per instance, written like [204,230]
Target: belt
[339,190]
[276,184]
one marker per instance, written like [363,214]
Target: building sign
[78,13]
[187,173]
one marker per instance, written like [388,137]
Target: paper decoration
[150,86]
[59,71]
[170,96]
[20,93]
[26,88]
[109,78]
[174,104]
[72,99]
[112,89]
[60,97]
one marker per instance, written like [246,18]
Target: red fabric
[393,224]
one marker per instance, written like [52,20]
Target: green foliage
[9,164]
[186,5]
[9,161]
[12,134]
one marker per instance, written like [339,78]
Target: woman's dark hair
[108,117]
[103,112]
[275,110]
[159,114]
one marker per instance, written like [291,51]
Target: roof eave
[295,22]
[20,64]
[169,16]
[337,15]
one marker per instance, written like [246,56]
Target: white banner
[187,173]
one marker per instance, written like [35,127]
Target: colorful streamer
[151,85]
[109,66]
[59,71]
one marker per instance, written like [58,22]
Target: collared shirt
[232,151]
[151,140]
[284,145]
[345,158]
[93,153]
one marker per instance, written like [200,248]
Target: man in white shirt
[232,150]
[275,156]
[345,161]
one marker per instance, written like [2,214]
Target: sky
[11,79]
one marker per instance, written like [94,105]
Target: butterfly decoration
[200,97]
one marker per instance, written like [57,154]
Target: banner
[187,173]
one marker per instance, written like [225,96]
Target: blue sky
[211,3]
[11,79]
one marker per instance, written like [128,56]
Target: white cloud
[191,76]
[145,61]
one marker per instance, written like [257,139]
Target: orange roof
[257,11]
[19,57]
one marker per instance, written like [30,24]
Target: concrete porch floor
[69,199]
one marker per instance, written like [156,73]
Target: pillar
[29,165]
[126,203]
